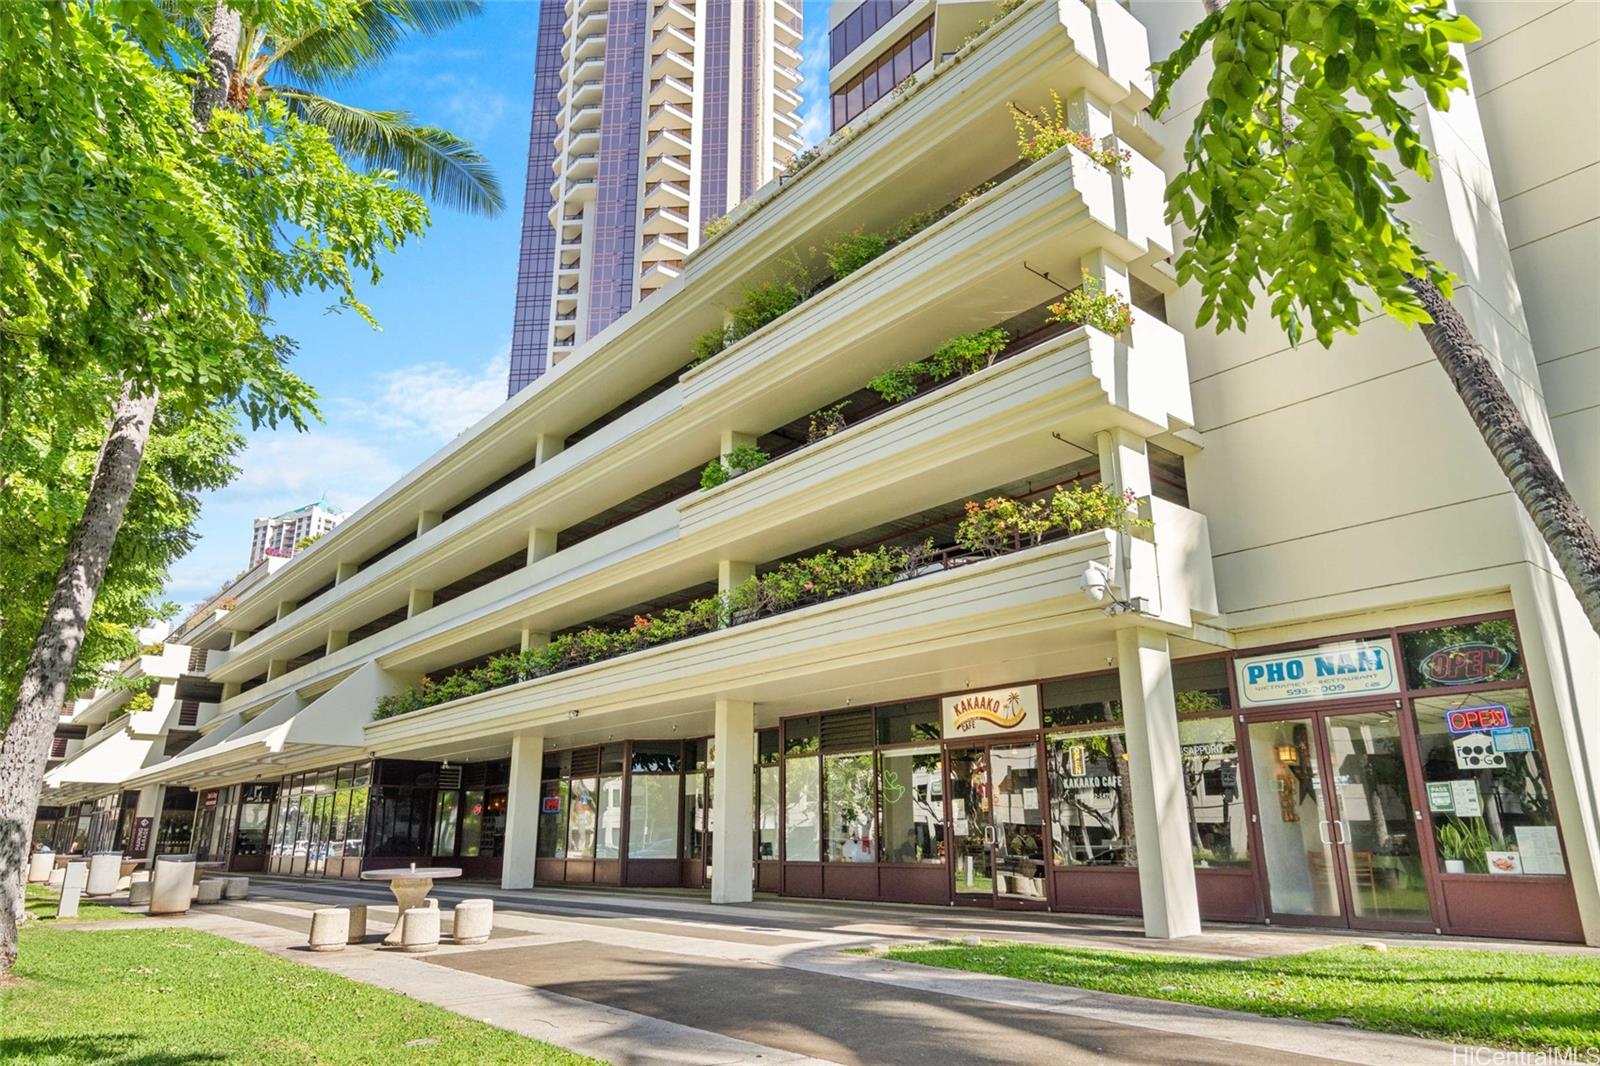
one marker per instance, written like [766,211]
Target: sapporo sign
[1329,671]
[1002,710]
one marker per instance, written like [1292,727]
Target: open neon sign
[1478,719]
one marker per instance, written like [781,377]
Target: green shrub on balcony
[1043,134]
[761,304]
[157,648]
[1001,524]
[964,354]
[138,703]
[740,460]
[1087,305]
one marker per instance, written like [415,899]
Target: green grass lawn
[1496,998]
[138,996]
[41,903]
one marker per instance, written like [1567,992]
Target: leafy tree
[1289,186]
[144,229]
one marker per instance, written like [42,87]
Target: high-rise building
[651,119]
[278,536]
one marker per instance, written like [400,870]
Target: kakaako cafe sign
[1004,710]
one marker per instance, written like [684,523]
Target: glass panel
[472,824]
[581,819]
[341,815]
[767,747]
[912,805]
[1474,653]
[971,824]
[847,807]
[900,723]
[653,817]
[251,837]
[492,836]
[608,820]
[1019,822]
[656,757]
[1091,799]
[802,809]
[355,839]
[552,842]
[694,815]
[1383,866]
[446,809]
[1201,685]
[1488,794]
[767,807]
[1219,829]
[1295,837]
[1081,700]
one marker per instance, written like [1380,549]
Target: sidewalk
[666,978]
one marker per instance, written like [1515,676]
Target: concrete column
[1124,462]
[541,544]
[522,811]
[731,573]
[426,520]
[419,601]
[732,439]
[230,689]
[1155,767]
[1113,276]
[337,640]
[277,668]
[534,638]
[733,813]
[547,446]
[1087,113]
[285,608]
[345,572]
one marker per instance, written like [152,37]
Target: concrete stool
[420,929]
[139,893]
[472,920]
[58,875]
[358,923]
[40,863]
[105,870]
[172,884]
[330,929]
[210,890]
[431,903]
[235,887]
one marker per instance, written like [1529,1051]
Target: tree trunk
[43,688]
[1522,458]
[42,691]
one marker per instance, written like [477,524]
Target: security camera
[1096,580]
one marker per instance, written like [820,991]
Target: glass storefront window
[905,723]
[1091,798]
[802,792]
[912,805]
[1076,701]
[356,828]
[446,809]
[608,818]
[847,807]
[695,805]
[1469,653]
[768,801]
[581,818]
[1201,685]
[471,823]
[1219,828]
[552,842]
[1487,792]
[653,816]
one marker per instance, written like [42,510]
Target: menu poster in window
[1468,802]
[1504,862]
[1540,848]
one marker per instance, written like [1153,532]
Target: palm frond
[323,55]
[435,162]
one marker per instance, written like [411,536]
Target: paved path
[667,978]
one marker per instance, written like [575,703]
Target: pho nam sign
[1327,672]
[1002,710]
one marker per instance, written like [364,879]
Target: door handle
[1322,834]
[989,836]
[1344,832]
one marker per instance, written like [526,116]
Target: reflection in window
[847,807]
[581,818]
[913,805]
[446,807]
[608,820]
[552,842]
[1487,793]
[1091,798]
[1469,653]
[879,78]
[1219,829]
[653,817]
[802,792]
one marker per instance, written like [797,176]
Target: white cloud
[437,400]
[470,108]
[815,117]
[284,469]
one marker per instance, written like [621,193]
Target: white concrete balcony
[665,220]
[663,247]
[784,56]
[579,141]
[667,168]
[658,272]
[583,118]
[668,142]
[586,95]
[670,90]
[787,22]
[582,165]
[668,63]
[673,39]
[669,116]
[785,123]
[666,194]
[787,97]
[672,13]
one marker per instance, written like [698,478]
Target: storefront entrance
[1345,854]
[996,818]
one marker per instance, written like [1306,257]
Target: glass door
[971,824]
[997,825]
[1337,821]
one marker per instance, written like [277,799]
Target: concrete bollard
[105,870]
[420,929]
[210,890]
[172,884]
[358,923]
[40,863]
[72,889]
[330,929]
[235,887]
[139,893]
[472,921]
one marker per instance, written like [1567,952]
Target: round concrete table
[410,885]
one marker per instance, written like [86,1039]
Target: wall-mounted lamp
[1288,754]
[572,713]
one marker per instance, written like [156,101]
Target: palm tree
[314,62]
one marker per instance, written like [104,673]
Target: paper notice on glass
[1540,848]
[1469,804]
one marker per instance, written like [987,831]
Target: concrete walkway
[669,978]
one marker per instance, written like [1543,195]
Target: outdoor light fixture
[572,713]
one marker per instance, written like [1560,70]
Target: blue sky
[390,397]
